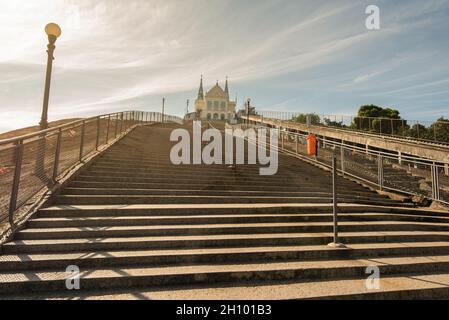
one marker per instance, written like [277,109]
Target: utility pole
[247,111]
[163,109]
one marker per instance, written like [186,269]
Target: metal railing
[36,161]
[429,131]
[382,170]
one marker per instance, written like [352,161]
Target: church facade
[215,104]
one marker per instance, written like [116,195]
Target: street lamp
[53,32]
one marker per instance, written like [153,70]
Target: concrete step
[230,176]
[222,169]
[228,209]
[236,193]
[60,228]
[407,287]
[210,170]
[154,220]
[98,259]
[161,199]
[205,181]
[217,241]
[94,279]
[188,186]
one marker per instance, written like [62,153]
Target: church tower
[215,103]
[201,90]
[227,87]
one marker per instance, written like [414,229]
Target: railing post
[282,137]
[336,243]
[107,130]
[15,184]
[297,144]
[121,122]
[380,172]
[342,159]
[116,125]
[57,155]
[97,142]
[435,182]
[83,129]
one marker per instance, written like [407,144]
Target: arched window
[209,116]
[223,116]
[216,117]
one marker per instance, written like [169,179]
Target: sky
[287,55]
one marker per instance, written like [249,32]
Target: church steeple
[227,87]
[201,90]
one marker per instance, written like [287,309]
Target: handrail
[432,144]
[404,157]
[287,116]
[349,155]
[61,126]
[37,161]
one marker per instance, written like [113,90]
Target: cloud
[115,54]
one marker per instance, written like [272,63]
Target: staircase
[139,227]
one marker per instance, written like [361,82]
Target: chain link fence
[35,162]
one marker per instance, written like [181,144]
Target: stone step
[205,181]
[174,192]
[94,279]
[170,174]
[217,241]
[60,228]
[225,169]
[156,199]
[228,209]
[228,186]
[98,259]
[407,287]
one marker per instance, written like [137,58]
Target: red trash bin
[312,145]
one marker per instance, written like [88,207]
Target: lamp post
[54,32]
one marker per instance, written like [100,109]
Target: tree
[379,119]
[330,123]
[302,118]
[439,130]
